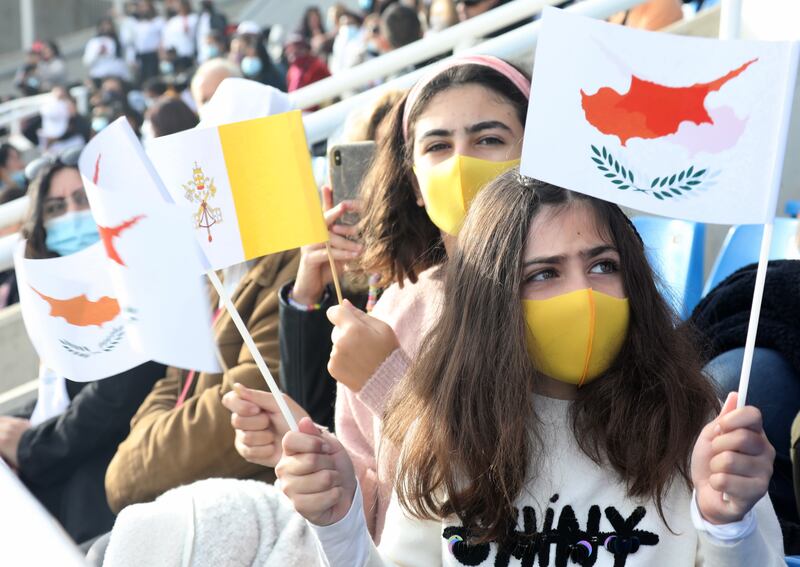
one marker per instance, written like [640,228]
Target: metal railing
[321,124]
[424,49]
[514,44]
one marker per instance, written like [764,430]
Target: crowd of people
[442,420]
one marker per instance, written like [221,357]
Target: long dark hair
[399,238]
[464,410]
[305,27]
[33,226]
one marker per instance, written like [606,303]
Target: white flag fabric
[151,254]
[30,535]
[72,315]
[238,99]
[682,127]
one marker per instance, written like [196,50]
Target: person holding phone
[458,128]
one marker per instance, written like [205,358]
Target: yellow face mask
[449,187]
[576,337]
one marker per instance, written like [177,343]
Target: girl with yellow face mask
[458,128]
[555,415]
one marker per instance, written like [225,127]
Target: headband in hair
[508,71]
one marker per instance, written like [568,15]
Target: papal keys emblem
[199,190]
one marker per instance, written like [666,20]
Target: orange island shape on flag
[649,110]
[81,311]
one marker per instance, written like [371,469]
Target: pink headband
[508,71]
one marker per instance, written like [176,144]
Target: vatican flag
[247,187]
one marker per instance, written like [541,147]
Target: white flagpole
[730,19]
[755,312]
[251,346]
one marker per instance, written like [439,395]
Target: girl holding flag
[458,128]
[554,412]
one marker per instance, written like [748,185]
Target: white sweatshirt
[573,506]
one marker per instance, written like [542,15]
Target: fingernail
[326,448]
[717,429]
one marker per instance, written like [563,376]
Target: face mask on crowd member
[67,220]
[251,65]
[166,67]
[71,232]
[448,187]
[574,301]
[12,167]
[465,137]
[99,122]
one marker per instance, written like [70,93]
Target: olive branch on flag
[108,344]
[667,186]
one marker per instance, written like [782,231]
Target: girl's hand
[11,430]
[360,344]
[314,272]
[316,474]
[732,456]
[259,423]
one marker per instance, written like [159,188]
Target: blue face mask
[212,51]
[166,67]
[71,232]
[18,177]
[251,66]
[99,122]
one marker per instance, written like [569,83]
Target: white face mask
[348,32]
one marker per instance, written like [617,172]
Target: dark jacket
[63,460]
[723,315]
[305,342]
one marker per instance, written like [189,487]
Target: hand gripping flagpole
[251,346]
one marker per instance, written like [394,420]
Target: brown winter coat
[169,446]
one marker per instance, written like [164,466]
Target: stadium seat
[792,208]
[675,251]
[742,244]
[793,561]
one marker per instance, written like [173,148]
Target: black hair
[400,24]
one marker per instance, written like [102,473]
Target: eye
[604,267]
[436,147]
[542,275]
[491,141]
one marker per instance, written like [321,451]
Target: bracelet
[305,307]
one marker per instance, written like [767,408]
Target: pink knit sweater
[410,311]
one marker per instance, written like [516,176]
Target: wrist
[306,295]
[307,302]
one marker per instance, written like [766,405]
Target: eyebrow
[471,129]
[585,254]
[487,125]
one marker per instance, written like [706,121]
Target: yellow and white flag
[247,187]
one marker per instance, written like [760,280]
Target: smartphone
[348,164]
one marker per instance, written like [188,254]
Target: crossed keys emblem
[200,189]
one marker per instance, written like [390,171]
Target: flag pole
[730,19]
[755,312]
[334,273]
[251,346]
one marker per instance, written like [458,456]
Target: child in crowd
[458,128]
[555,412]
